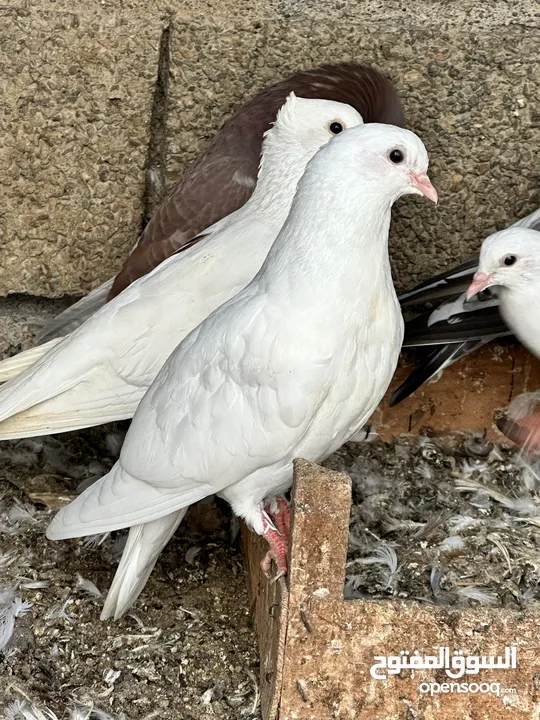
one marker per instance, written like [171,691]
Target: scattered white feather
[21,710]
[435,579]
[206,697]
[452,543]
[59,612]
[467,468]
[20,606]
[8,558]
[459,523]
[35,584]
[88,587]
[495,455]
[11,607]
[114,442]
[94,541]
[503,550]
[7,626]
[425,471]
[191,554]
[522,505]
[19,512]
[483,596]
[383,555]
[90,712]
[110,676]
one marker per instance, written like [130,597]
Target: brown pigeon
[223,178]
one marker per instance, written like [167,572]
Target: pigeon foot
[280,513]
[277,536]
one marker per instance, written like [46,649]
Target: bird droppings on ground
[187,650]
[451,521]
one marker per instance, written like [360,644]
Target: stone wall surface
[79,116]
[77,95]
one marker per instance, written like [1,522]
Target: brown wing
[522,422]
[223,178]
[202,198]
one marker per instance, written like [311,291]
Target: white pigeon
[510,261]
[291,367]
[100,372]
[445,324]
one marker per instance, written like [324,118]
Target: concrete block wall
[84,118]
[78,83]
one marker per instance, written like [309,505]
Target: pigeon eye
[336,127]
[510,260]
[396,156]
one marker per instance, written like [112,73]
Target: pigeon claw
[277,529]
[279,512]
[278,551]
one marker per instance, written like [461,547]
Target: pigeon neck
[280,170]
[517,308]
[333,243]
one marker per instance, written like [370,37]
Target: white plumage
[510,261]
[100,372]
[291,367]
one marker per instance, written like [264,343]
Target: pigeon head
[508,259]
[303,126]
[384,160]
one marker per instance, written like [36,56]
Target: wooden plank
[270,604]
[326,645]
[466,395]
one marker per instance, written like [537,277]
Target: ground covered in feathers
[453,521]
[188,649]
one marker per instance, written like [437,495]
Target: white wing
[13,366]
[78,383]
[100,372]
[214,416]
[74,316]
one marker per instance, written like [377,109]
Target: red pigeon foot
[277,536]
[280,513]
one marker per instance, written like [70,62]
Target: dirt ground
[454,522]
[451,521]
[188,649]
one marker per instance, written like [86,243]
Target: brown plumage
[223,178]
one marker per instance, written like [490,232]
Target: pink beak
[423,183]
[480,282]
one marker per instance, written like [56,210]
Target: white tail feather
[143,547]
[13,366]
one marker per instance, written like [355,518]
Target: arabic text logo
[456,665]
